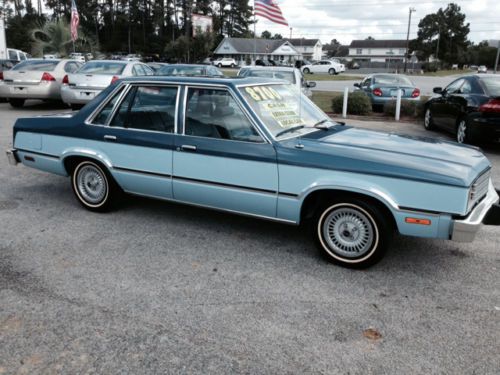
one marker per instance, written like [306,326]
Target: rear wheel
[219,65]
[462,132]
[94,188]
[428,122]
[331,71]
[352,233]
[16,103]
[306,71]
[232,65]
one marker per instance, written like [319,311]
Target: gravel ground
[163,288]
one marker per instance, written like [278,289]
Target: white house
[243,49]
[386,51]
[310,49]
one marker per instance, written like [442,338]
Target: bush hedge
[408,108]
[358,104]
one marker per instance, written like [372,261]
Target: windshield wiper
[319,123]
[292,129]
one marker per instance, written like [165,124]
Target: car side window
[71,67]
[148,108]
[367,82]
[103,116]
[466,88]
[216,114]
[454,86]
[147,70]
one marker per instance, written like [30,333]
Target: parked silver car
[36,79]
[292,75]
[81,87]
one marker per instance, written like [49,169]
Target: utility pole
[411,10]
[498,55]
[437,46]
[291,29]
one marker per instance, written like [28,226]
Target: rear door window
[149,108]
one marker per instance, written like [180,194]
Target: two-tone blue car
[260,148]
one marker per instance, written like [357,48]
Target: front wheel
[306,71]
[331,71]
[93,186]
[352,233]
[232,65]
[219,65]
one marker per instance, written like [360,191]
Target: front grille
[479,189]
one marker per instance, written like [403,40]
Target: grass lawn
[323,99]
[445,73]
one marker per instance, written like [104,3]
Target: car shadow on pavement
[38,105]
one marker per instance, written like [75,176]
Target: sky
[346,20]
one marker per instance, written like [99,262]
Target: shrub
[430,67]
[408,108]
[358,104]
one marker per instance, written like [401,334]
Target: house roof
[299,42]
[386,43]
[245,45]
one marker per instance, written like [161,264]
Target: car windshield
[37,65]
[392,80]
[492,85]
[288,76]
[100,67]
[283,107]
[181,71]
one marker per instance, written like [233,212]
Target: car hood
[388,154]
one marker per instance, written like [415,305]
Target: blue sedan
[260,148]
[382,88]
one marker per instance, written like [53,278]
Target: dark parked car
[468,107]
[263,63]
[382,88]
[190,70]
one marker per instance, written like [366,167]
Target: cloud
[346,20]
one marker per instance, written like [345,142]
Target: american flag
[75,21]
[270,10]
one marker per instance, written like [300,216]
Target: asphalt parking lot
[158,287]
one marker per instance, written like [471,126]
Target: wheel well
[313,200]
[71,162]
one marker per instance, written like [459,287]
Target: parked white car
[226,62]
[292,75]
[36,79]
[132,57]
[482,69]
[324,66]
[84,85]
[77,56]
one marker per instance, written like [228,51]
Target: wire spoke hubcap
[91,184]
[462,128]
[348,232]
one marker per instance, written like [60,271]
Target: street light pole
[411,10]
[498,55]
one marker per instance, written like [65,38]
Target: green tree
[266,35]
[444,35]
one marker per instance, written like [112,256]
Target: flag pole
[254,35]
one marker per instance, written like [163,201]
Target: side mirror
[437,90]
[357,85]
[311,84]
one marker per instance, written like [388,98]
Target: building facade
[378,51]
[246,50]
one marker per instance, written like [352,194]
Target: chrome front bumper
[465,230]
[12,156]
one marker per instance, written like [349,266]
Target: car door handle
[110,137]
[188,148]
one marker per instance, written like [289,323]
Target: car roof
[230,82]
[193,65]
[272,68]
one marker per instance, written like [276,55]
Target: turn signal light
[415,93]
[414,220]
[65,80]
[114,79]
[47,77]
[377,92]
[492,106]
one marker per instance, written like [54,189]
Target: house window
[359,51]
[402,51]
